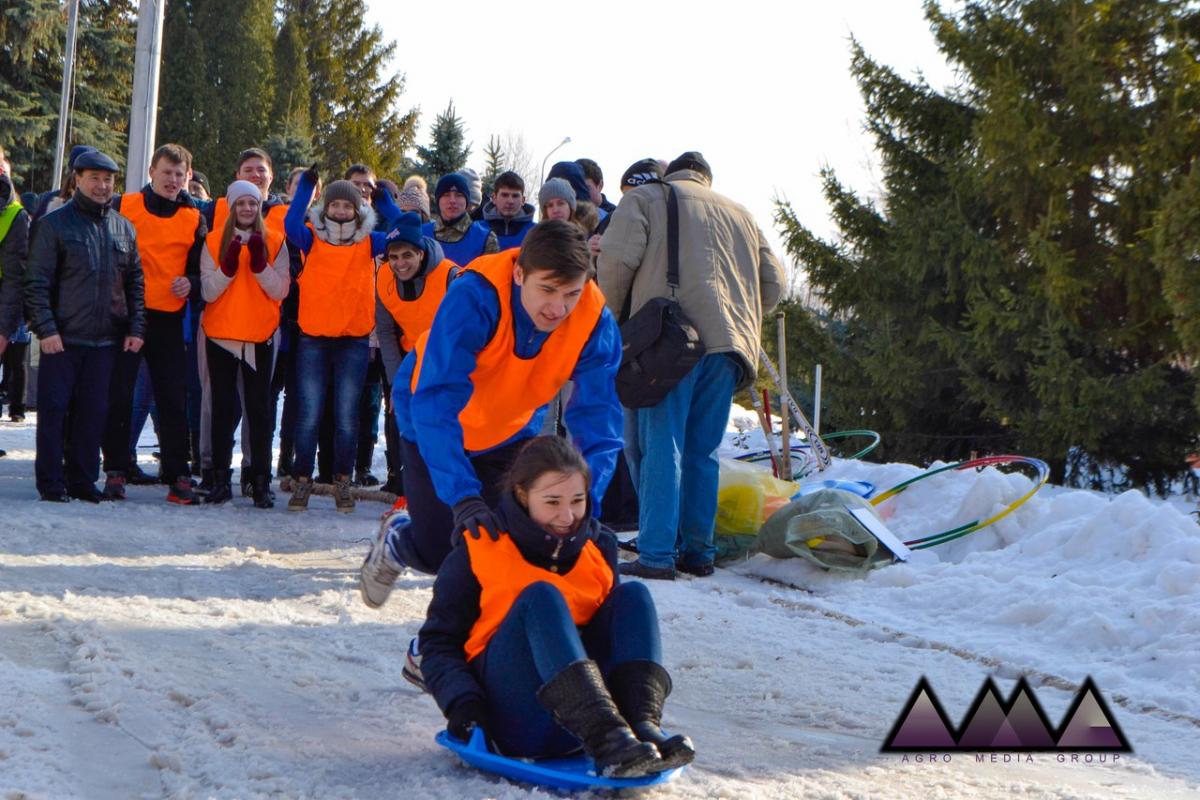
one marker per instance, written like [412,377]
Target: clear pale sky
[763,89]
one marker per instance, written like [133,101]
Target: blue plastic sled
[573,773]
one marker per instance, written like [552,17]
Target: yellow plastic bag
[747,495]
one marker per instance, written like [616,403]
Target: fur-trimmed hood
[342,233]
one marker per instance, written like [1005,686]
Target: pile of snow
[1111,583]
[154,651]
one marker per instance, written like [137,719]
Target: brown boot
[301,489]
[343,496]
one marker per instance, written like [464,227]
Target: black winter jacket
[454,608]
[13,250]
[83,280]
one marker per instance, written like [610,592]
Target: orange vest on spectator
[508,389]
[413,316]
[243,312]
[503,573]
[164,244]
[337,289]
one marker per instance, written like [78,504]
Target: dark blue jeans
[677,476]
[321,361]
[76,379]
[537,640]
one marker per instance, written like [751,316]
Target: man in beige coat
[728,278]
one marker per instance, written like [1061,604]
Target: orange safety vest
[273,219]
[508,389]
[164,244]
[337,289]
[503,573]
[413,316]
[243,312]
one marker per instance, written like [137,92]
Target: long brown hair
[544,454]
[231,223]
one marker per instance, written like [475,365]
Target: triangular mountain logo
[993,724]
[1028,720]
[1016,725]
[923,725]
[1089,725]
[982,725]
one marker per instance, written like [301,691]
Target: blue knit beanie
[407,230]
[454,181]
[572,173]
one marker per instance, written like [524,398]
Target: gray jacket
[728,277]
[83,280]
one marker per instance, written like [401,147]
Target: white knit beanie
[239,189]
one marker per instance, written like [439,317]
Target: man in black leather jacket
[84,296]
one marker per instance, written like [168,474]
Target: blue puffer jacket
[83,279]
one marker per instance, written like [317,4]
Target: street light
[566,140]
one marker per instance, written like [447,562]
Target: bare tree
[519,158]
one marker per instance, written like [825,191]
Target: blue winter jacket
[454,608]
[510,231]
[466,321]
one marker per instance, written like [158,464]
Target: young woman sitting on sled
[531,637]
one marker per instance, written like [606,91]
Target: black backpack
[660,346]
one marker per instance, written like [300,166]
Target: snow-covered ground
[150,651]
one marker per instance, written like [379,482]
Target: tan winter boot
[301,489]
[343,498]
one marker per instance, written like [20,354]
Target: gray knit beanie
[342,190]
[556,187]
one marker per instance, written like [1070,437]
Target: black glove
[465,717]
[377,194]
[471,514]
[313,174]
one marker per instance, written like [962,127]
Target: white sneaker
[380,569]
[412,665]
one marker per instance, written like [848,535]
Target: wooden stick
[819,449]
[786,430]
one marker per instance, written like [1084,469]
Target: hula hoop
[932,540]
[805,450]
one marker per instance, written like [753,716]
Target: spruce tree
[293,85]
[1005,290]
[217,90]
[447,152]
[31,65]
[185,96]
[493,165]
[239,64]
[353,103]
